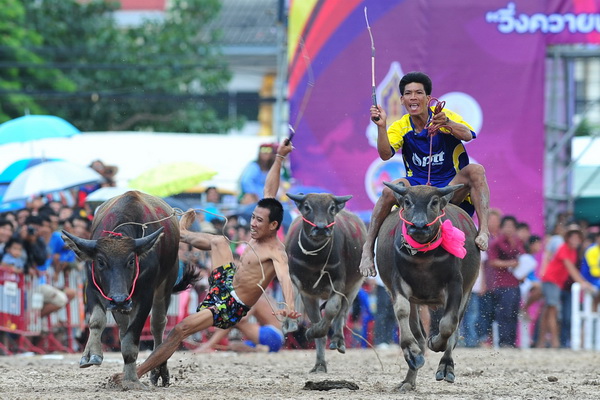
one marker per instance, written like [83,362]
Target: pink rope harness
[429,224]
[314,225]
[448,236]
[137,273]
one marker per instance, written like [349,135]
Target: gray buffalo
[423,266]
[324,247]
[132,267]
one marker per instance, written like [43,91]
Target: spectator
[590,265]
[531,290]
[64,214]
[6,232]
[485,312]
[37,265]
[254,176]
[503,255]
[385,318]
[523,231]
[22,215]
[211,204]
[13,256]
[555,240]
[10,216]
[62,257]
[35,203]
[562,266]
[469,328]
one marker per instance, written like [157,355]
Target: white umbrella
[51,176]
[106,193]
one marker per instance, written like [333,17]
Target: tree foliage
[161,75]
[22,71]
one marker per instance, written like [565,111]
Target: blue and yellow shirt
[590,266]
[448,154]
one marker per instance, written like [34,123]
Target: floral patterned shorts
[220,300]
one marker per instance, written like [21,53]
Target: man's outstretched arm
[274,175]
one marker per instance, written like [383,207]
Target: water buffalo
[132,267]
[418,256]
[324,247]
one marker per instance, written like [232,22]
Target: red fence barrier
[20,314]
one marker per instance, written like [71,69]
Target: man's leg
[473,177]
[191,324]
[220,252]
[380,212]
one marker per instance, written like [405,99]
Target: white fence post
[585,320]
[575,316]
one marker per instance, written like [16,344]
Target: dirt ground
[480,374]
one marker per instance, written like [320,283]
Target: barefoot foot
[482,240]
[367,265]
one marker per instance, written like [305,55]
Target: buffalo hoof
[89,361]
[319,367]
[161,372]
[415,362]
[445,372]
[406,387]
[341,347]
[434,343]
[134,385]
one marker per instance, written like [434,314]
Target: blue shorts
[269,336]
[551,293]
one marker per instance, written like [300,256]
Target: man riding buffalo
[430,139]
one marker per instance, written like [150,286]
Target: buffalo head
[421,206]
[115,261]
[318,211]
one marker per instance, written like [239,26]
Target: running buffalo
[324,247]
[426,255]
[132,267]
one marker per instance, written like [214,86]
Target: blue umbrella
[35,127]
[14,169]
[9,174]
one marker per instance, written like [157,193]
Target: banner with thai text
[486,60]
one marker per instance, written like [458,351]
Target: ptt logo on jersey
[435,159]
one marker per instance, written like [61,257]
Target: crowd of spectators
[525,281]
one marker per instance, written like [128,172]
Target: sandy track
[480,374]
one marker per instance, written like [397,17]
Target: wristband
[280,156]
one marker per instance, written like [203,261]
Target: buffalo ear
[84,248]
[447,192]
[297,198]
[145,244]
[340,201]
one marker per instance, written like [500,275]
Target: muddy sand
[480,374]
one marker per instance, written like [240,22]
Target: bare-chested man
[235,288]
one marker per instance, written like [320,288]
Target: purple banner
[486,59]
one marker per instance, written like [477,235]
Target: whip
[373,94]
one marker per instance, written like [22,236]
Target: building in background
[253,43]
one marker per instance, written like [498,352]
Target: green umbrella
[169,179]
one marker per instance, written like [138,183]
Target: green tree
[22,71]
[163,75]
